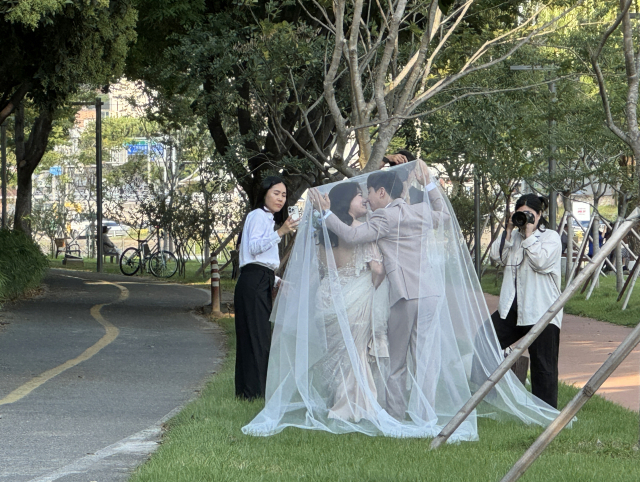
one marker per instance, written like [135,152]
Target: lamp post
[98,104]
[553,194]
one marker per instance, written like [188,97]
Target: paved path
[585,344]
[90,370]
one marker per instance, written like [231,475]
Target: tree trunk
[21,219]
[622,209]
[28,156]
[595,231]
[568,207]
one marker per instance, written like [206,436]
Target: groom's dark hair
[389,180]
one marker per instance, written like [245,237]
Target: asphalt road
[85,388]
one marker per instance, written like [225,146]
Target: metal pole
[3,154]
[99,247]
[553,195]
[567,414]
[215,288]
[535,331]
[478,233]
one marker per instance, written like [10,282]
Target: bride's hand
[320,202]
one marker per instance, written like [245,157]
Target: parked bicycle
[161,263]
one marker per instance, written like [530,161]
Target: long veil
[329,362]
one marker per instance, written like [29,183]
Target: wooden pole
[535,331]
[629,278]
[625,245]
[630,288]
[563,221]
[585,240]
[224,243]
[593,283]
[567,414]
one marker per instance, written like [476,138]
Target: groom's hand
[422,173]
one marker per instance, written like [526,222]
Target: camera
[520,218]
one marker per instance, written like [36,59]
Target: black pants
[253,303]
[543,352]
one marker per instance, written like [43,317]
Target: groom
[398,229]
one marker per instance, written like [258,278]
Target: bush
[22,264]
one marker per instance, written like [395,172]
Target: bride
[362,281]
[329,322]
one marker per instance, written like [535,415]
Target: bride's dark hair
[341,197]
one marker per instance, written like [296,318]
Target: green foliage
[81,43]
[116,133]
[22,264]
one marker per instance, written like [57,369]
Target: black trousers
[253,304]
[543,352]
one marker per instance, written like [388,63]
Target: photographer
[531,257]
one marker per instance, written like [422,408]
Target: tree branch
[15,99]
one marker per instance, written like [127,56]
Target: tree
[295,88]
[52,48]
[621,117]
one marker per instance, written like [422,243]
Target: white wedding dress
[367,314]
[329,353]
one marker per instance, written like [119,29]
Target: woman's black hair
[538,203]
[266,184]
[341,196]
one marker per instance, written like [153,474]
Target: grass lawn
[204,443]
[601,306]
[190,277]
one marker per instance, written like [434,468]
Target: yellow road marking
[111,333]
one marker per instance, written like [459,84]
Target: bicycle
[162,264]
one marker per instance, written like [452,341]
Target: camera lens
[519,219]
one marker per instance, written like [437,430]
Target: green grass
[190,277]
[22,264]
[204,443]
[601,306]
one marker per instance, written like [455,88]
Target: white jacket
[537,262]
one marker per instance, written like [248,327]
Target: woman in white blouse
[259,258]
[531,257]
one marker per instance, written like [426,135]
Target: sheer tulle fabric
[329,362]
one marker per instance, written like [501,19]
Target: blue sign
[55,170]
[141,147]
[137,148]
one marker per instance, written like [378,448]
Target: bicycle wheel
[163,264]
[130,261]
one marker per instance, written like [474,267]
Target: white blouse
[534,265]
[259,243]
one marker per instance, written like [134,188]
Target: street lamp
[98,104]
[553,195]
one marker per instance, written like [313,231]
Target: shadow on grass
[205,443]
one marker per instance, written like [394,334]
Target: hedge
[22,264]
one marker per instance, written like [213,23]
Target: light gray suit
[400,230]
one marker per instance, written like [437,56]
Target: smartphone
[294,212]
